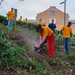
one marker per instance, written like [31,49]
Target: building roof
[32,20]
[53,8]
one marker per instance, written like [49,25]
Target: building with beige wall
[53,13]
[73,26]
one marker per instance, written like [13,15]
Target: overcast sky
[30,8]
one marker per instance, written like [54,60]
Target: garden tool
[38,50]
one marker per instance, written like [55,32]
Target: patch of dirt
[29,38]
[16,37]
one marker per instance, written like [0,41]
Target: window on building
[52,12]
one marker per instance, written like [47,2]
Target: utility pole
[15,10]
[64,11]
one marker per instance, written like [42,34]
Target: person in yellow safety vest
[66,31]
[39,22]
[11,16]
[45,34]
[20,19]
[26,20]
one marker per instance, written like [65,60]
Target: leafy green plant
[39,67]
[10,54]
[3,20]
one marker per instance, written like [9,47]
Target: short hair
[12,8]
[20,16]
[38,27]
[52,19]
[69,23]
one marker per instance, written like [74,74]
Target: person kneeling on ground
[46,34]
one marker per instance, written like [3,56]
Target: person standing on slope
[67,34]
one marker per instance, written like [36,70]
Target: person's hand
[37,46]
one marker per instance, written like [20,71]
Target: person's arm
[41,41]
[54,28]
[14,14]
[49,25]
[60,32]
[71,34]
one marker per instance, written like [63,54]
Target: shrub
[3,20]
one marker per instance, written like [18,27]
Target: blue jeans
[10,23]
[67,42]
